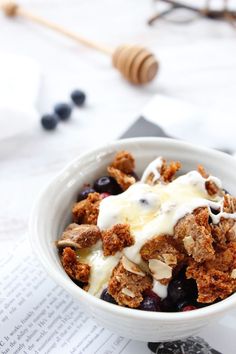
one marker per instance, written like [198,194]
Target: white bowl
[52,213]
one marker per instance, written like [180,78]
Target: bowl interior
[53,209]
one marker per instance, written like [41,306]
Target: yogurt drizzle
[151,210]
[153,168]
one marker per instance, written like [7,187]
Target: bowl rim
[60,277]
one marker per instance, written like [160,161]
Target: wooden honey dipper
[137,64]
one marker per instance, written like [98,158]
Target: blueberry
[180,305]
[148,304]
[78,283]
[210,220]
[107,184]
[182,273]
[166,305]
[176,291]
[150,301]
[200,305]
[151,294]
[84,193]
[78,97]
[104,195]
[191,289]
[134,174]
[49,121]
[182,289]
[107,297]
[215,211]
[63,111]
[188,308]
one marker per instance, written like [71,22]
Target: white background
[198,65]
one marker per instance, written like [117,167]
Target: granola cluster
[206,250]
[212,254]
[86,211]
[75,269]
[127,284]
[116,238]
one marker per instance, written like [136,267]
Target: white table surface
[198,65]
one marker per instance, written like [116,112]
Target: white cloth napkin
[188,122]
[19,88]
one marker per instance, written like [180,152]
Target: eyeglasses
[182,13]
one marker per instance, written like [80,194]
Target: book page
[38,316]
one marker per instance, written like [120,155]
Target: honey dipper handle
[12,9]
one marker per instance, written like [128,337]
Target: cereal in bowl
[164,242]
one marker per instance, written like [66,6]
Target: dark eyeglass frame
[225,14]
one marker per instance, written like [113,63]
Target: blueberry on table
[78,97]
[49,121]
[63,111]
[107,297]
[107,184]
[84,193]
